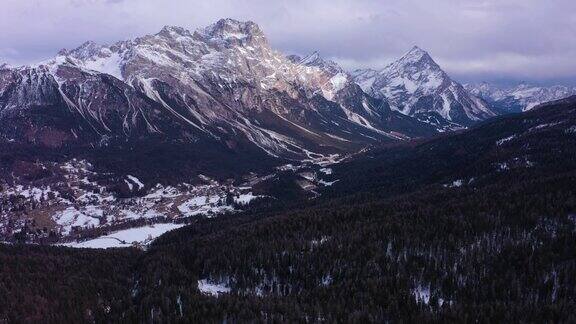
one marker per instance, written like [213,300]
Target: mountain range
[518,98]
[102,134]
[223,83]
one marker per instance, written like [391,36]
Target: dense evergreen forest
[472,227]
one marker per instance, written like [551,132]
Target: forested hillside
[472,227]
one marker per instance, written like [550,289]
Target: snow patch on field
[422,294]
[34,193]
[126,238]
[504,140]
[245,199]
[136,181]
[71,217]
[212,289]
[455,184]
[326,171]
[163,192]
[80,199]
[204,205]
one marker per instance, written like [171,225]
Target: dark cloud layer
[480,39]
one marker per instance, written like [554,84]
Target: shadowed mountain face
[222,84]
[535,143]
[416,86]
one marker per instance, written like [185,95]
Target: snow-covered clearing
[213,289]
[125,238]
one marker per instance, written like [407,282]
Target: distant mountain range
[521,97]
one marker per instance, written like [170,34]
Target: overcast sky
[532,40]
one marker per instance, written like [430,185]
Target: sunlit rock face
[223,82]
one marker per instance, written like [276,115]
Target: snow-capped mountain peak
[91,56]
[415,72]
[416,55]
[234,31]
[87,49]
[417,86]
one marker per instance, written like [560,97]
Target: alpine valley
[203,176]
[201,113]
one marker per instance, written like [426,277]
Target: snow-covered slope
[416,86]
[521,97]
[223,82]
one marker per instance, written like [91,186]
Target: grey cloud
[524,39]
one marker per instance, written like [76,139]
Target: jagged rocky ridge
[222,84]
[416,86]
